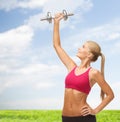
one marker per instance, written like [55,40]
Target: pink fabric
[78,82]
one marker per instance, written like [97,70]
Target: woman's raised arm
[66,60]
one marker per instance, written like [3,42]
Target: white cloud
[46,5]
[13,4]
[39,103]
[69,5]
[36,75]
[35,23]
[40,69]
[8,5]
[105,35]
[115,49]
[43,85]
[3,67]
[31,4]
[79,7]
[16,40]
[12,43]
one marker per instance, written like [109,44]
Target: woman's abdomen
[73,102]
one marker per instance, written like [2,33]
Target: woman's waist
[73,109]
[74,104]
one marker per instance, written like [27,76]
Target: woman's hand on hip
[86,110]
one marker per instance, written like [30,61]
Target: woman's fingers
[86,110]
[58,16]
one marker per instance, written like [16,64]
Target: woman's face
[83,51]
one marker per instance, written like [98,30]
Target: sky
[31,74]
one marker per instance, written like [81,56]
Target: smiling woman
[80,79]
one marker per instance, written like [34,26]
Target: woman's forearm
[56,35]
[103,103]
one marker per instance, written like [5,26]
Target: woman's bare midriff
[73,102]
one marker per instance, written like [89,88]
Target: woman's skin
[75,101]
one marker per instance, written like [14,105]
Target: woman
[80,79]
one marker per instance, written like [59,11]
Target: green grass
[51,116]
[109,116]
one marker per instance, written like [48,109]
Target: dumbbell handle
[70,14]
[45,19]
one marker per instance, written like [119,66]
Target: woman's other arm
[106,89]
[97,77]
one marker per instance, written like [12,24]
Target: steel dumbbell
[49,16]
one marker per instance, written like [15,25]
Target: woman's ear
[90,55]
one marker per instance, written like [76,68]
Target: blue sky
[31,75]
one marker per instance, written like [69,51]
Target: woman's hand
[58,17]
[86,110]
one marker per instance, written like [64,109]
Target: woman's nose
[79,48]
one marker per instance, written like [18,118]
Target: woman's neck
[84,64]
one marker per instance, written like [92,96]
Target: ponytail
[96,51]
[102,94]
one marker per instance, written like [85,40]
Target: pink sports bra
[78,82]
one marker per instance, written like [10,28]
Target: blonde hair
[96,51]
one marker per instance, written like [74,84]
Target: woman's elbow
[111,96]
[56,45]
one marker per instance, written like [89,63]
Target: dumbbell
[49,16]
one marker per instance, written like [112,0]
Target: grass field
[51,116]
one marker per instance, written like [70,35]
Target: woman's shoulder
[94,75]
[94,71]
